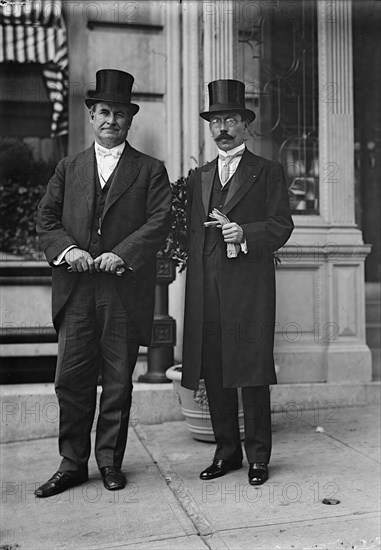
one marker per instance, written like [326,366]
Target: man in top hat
[231,283]
[104,215]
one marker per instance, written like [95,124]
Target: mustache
[224,135]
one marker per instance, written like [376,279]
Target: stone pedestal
[320,320]
[160,353]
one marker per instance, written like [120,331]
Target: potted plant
[195,407]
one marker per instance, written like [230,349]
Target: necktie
[108,152]
[107,160]
[225,165]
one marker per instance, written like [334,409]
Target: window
[278,52]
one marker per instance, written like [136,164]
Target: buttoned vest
[213,235]
[96,242]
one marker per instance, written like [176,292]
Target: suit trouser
[92,338]
[223,402]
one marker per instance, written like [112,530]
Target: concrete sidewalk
[166,506]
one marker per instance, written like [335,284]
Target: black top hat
[225,96]
[112,86]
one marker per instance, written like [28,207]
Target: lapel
[207,177]
[85,176]
[126,172]
[245,177]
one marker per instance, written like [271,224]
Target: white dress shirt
[106,160]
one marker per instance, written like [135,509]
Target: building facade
[310,73]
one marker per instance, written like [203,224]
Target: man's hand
[108,262]
[232,233]
[79,260]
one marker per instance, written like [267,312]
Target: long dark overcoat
[135,222]
[258,201]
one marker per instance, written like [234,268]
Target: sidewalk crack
[176,485]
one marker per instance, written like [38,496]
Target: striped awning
[35,32]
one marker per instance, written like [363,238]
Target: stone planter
[195,407]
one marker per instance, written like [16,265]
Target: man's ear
[247,127]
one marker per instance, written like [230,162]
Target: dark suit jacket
[135,223]
[257,200]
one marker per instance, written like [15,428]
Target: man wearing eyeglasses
[238,215]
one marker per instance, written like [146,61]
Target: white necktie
[109,152]
[107,161]
[225,165]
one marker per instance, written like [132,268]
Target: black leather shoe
[219,468]
[258,473]
[60,482]
[113,478]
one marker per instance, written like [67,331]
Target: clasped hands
[81,261]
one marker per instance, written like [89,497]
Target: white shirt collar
[118,148]
[231,151]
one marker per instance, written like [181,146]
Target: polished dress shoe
[258,473]
[113,478]
[220,467]
[60,482]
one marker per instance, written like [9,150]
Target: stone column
[321,287]
[173,87]
[77,38]
[220,41]
[348,357]
[175,132]
[190,84]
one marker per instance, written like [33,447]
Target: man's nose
[111,118]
